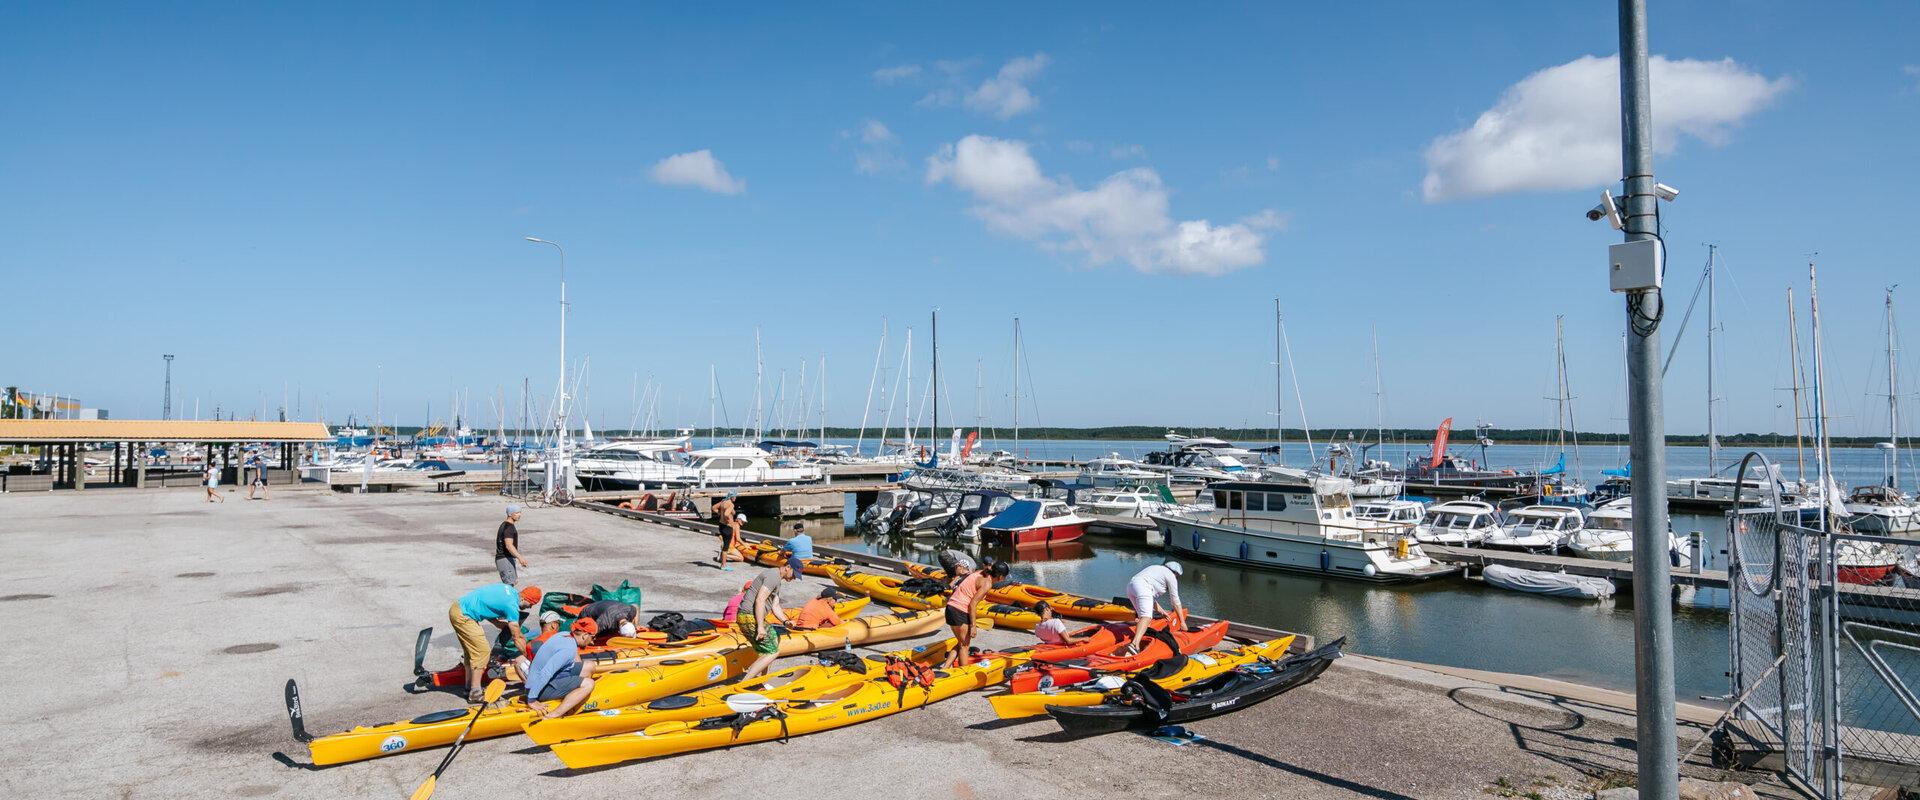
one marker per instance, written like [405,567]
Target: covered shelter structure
[64,443]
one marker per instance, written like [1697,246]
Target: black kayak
[1144,704]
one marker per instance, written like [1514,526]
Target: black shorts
[957,617]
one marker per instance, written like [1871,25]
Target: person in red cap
[496,603]
[559,673]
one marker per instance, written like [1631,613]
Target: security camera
[1665,192]
[1606,209]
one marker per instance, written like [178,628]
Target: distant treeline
[1411,436]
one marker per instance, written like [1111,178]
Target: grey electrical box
[1634,265]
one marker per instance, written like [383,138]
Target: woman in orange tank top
[963,607]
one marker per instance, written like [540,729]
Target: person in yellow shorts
[495,603]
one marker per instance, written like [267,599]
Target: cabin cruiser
[1454,470]
[1407,512]
[1130,501]
[1458,523]
[627,465]
[1034,522]
[1112,470]
[1757,488]
[1882,511]
[741,466]
[1300,525]
[1537,528]
[1608,535]
[972,511]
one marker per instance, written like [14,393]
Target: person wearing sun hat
[498,604]
[559,673]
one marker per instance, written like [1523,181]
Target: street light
[560,422]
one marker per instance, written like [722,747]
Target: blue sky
[290,196]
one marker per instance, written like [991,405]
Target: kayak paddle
[491,693]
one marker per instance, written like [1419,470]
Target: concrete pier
[327,588]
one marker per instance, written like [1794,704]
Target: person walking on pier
[506,548]
[211,479]
[963,607]
[728,520]
[494,603]
[763,601]
[1145,589]
[259,467]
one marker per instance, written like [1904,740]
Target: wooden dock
[1237,630]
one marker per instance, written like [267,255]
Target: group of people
[254,466]
[554,670]
[675,501]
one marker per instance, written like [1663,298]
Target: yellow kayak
[621,688]
[791,683]
[1198,667]
[1024,595]
[887,589]
[839,707]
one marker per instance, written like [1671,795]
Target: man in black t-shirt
[506,548]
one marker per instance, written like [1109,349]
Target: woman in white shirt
[1051,630]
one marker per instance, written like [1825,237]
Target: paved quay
[177,622]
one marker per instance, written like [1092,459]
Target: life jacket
[904,672]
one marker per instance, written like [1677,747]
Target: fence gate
[1825,642]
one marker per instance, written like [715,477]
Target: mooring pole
[1656,746]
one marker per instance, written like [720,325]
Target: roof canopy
[69,431]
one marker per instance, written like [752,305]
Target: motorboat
[1537,528]
[1113,470]
[629,464]
[1034,522]
[1861,562]
[1304,524]
[741,466]
[1131,501]
[1458,523]
[1882,511]
[1554,584]
[1409,512]
[1608,535]
[972,511]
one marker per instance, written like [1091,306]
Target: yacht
[1537,528]
[1304,525]
[741,466]
[1131,501]
[1112,470]
[1458,523]
[1034,522]
[1608,535]
[628,465]
[1408,512]
[1882,511]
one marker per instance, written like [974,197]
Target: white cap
[549,616]
[1175,566]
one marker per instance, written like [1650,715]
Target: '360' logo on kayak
[393,744]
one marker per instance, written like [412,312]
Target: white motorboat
[1131,501]
[1537,529]
[1113,471]
[1458,523]
[1608,535]
[740,466]
[1304,525]
[1409,512]
[1881,511]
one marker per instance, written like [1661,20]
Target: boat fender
[1370,570]
[1246,550]
[1326,561]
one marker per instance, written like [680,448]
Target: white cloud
[1123,218]
[1005,95]
[877,152]
[698,169]
[1559,128]
[888,76]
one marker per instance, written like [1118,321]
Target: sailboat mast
[1799,408]
[933,430]
[1016,393]
[1819,400]
[871,380]
[713,398]
[1560,380]
[1713,439]
[1893,402]
[823,398]
[1279,385]
[1379,408]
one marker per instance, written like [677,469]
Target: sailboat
[1855,561]
[1557,487]
[1882,509]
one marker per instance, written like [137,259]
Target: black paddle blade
[293,714]
[420,652]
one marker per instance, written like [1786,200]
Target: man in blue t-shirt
[800,543]
[558,672]
[494,603]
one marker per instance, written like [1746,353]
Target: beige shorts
[473,637]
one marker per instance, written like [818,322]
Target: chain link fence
[1825,647]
